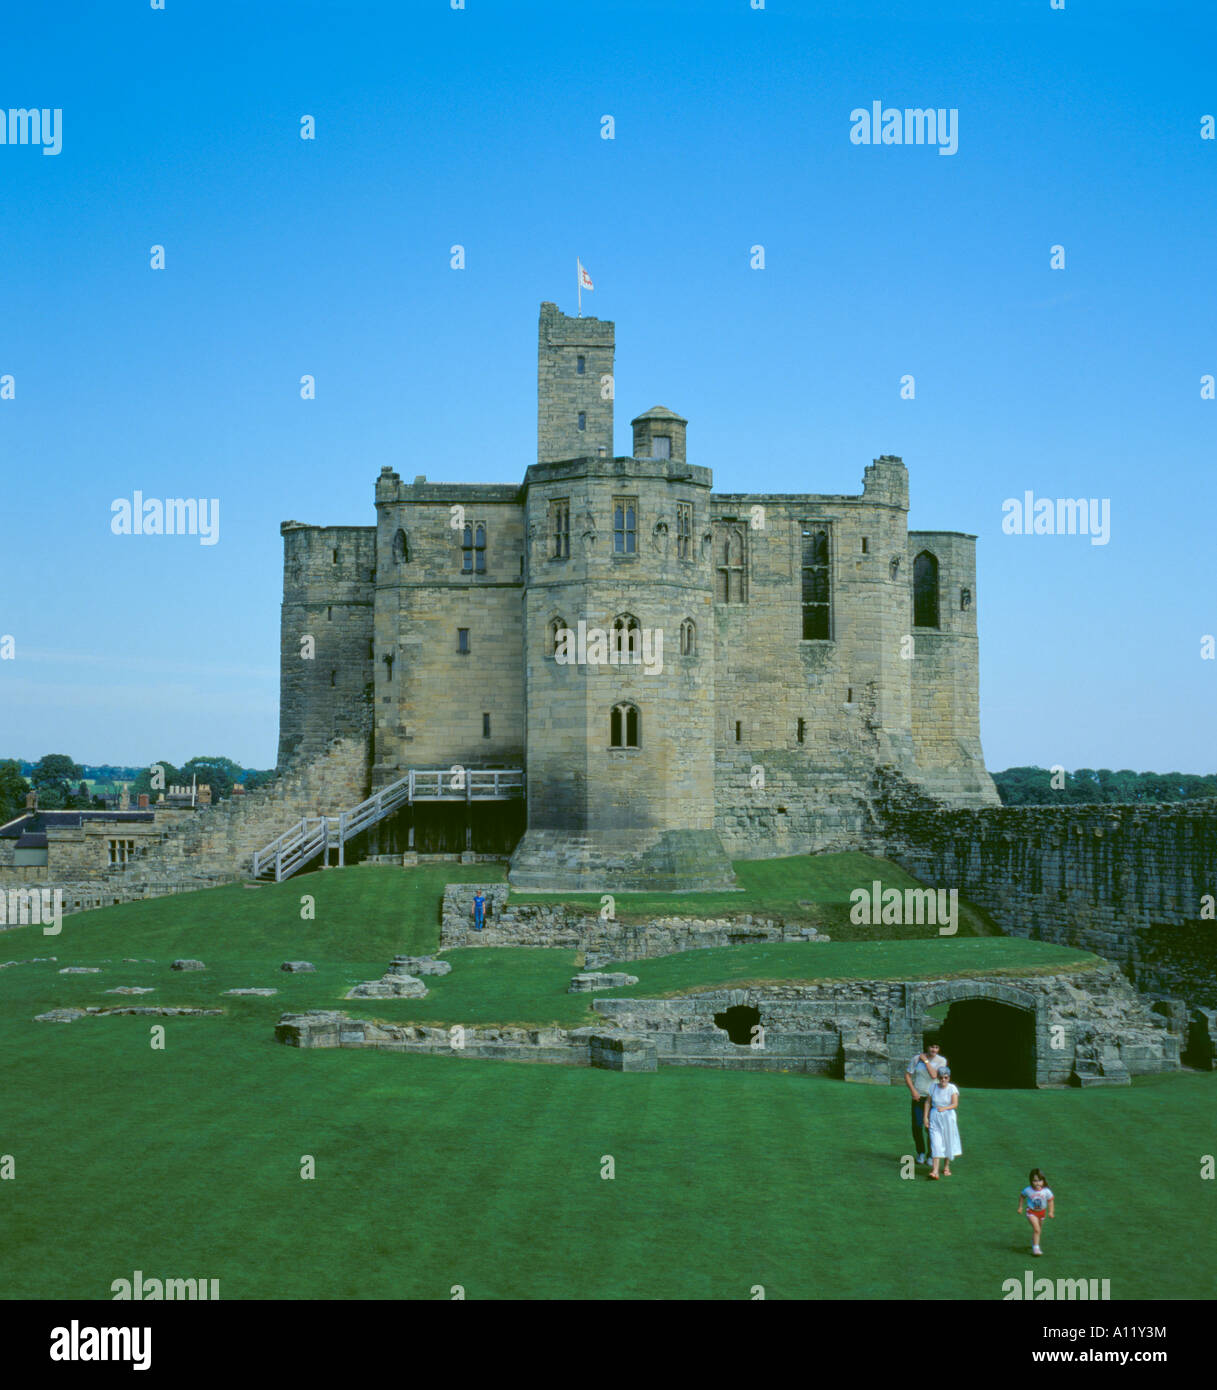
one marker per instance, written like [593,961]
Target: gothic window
[625,525]
[559,528]
[816,586]
[580,365]
[627,638]
[401,549]
[688,638]
[684,530]
[473,549]
[556,628]
[625,726]
[732,574]
[925,590]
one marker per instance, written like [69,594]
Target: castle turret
[659,434]
[325,637]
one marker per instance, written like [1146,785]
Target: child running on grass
[1040,1204]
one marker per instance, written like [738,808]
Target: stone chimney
[204,795]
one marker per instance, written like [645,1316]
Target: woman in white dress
[940,1107]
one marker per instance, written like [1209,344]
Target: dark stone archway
[989,1044]
[738,1023]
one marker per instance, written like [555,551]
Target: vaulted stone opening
[738,1022]
[989,1044]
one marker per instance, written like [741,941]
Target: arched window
[625,726]
[627,639]
[473,549]
[925,590]
[557,627]
[817,611]
[401,549]
[688,638]
[731,573]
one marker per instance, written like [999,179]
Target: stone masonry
[791,667]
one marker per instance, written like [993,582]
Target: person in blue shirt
[1041,1206]
[479,911]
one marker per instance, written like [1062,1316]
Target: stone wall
[1090,1028]
[555,925]
[212,845]
[1124,881]
[328,585]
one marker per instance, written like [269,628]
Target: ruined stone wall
[1124,881]
[944,677]
[510,923]
[1090,1027]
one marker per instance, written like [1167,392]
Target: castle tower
[325,644]
[574,387]
[620,713]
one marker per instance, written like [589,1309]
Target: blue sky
[482,127]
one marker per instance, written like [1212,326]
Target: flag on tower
[585,283]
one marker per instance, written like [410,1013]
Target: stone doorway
[989,1044]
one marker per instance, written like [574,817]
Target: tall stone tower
[574,387]
[620,737]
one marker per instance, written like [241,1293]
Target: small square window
[661,446]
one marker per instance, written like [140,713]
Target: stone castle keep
[807,640]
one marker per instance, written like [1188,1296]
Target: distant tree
[218,773]
[167,777]
[13,789]
[253,779]
[1025,786]
[52,777]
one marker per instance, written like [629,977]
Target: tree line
[63,784]
[1039,786]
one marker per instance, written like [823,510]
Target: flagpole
[579,284]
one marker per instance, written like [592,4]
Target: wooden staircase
[315,835]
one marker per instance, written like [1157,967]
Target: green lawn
[811,888]
[435,1171]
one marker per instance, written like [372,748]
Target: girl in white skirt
[940,1107]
